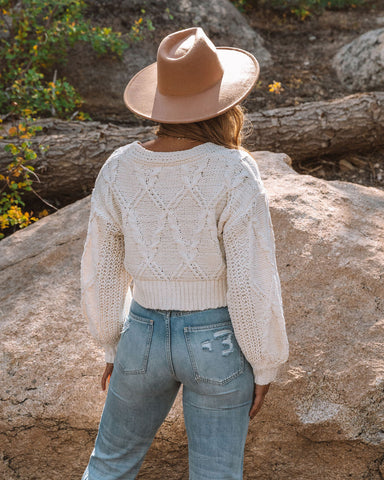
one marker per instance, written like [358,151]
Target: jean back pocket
[214,353]
[134,345]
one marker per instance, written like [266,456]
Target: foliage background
[35,35]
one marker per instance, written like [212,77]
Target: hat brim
[241,71]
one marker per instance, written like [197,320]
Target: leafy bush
[35,35]
[17,180]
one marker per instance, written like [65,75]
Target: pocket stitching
[141,319]
[196,375]
[149,323]
[207,327]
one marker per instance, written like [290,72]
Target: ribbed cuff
[110,353]
[264,376]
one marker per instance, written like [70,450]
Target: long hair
[226,129]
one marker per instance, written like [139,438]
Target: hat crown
[192,80]
[187,63]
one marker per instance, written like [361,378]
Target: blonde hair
[225,129]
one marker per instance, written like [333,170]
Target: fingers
[103,381]
[106,375]
[258,398]
[257,403]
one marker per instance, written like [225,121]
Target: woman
[183,222]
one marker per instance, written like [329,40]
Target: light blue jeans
[158,351]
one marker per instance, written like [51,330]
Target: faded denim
[158,351]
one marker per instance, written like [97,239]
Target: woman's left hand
[259,393]
[106,375]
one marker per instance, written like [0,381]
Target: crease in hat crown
[187,63]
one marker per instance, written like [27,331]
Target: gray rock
[322,418]
[360,64]
[101,80]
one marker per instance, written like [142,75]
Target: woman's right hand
[259,393]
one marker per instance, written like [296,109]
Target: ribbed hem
[181,295]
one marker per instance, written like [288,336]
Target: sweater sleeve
[105,293]
[253,284]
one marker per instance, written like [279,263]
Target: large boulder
[101,80]
[360,64]
[322,418]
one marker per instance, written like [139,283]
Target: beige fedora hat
[192,79]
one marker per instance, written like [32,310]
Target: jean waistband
[175,313]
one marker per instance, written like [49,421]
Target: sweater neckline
[141,154]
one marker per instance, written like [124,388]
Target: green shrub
[35,35]
[17,180]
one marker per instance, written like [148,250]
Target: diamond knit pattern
[186,230]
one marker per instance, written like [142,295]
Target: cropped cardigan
[184,230]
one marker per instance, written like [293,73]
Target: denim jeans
[158,351]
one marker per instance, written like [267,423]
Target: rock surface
[360,64]
[101,80]
[322,418]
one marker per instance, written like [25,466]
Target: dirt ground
[302,52]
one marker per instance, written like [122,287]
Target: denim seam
[142,370]
[196,374]
[191,357]
[140,318]
[185,402]
[208,327]
[177,313]
[168,345]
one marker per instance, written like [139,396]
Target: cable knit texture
[186,230]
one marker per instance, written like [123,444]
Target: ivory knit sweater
[188,230]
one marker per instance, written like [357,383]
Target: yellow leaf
[4,222]
[43,213]
[12,131]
